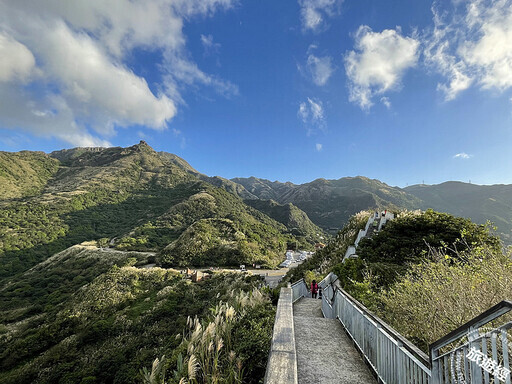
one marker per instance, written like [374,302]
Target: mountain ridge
[122,194]
[328,203]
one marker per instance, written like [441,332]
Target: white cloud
[303,112]
[378,63]
[314,13]
[17,61]
[311,112]
[47,115]
[320,68]
[318,147]
[75,56]
[97,85]
[385,100]
[471,43]
[462,155]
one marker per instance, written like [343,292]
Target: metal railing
[468,360]
[360,235]
[351,250]
[299,290]
[393,358]
[369,222]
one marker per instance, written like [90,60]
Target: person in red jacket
[314,289]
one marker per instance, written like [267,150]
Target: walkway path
[325,354]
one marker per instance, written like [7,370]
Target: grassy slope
[112,327]
[296,220]
[24,173]
[123,193]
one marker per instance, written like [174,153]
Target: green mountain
[131,199]
[76,228]
[330,203]
[295,219]
[89,315]
[478,202]
[25,173]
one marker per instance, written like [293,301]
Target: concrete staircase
[325,354]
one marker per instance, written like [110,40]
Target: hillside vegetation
[330,203]
[25,173]
[76,306]
[129,198]
[481,203]
[113,327]
[426,273]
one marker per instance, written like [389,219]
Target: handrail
[422,356]
[478,340]
[393,358]
[492,313]
[299,290]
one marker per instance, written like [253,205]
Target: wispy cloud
[462,155]
[315,12]
[209,46]
[318,147]
[385,100]
[311,113]
[320,69]
[471,43]
[378,63]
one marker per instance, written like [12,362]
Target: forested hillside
[76,228]
[115,326]
[127,198]
[478,202]
[330,203]
[425,273]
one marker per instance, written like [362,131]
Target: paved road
[272,276]
[325,354]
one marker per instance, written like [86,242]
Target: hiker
[314,289]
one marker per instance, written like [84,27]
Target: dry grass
[210,357]
[440,295]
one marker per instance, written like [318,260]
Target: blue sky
[404,92]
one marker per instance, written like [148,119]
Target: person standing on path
[314,289]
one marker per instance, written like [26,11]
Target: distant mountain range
[138,199]
[329,203]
